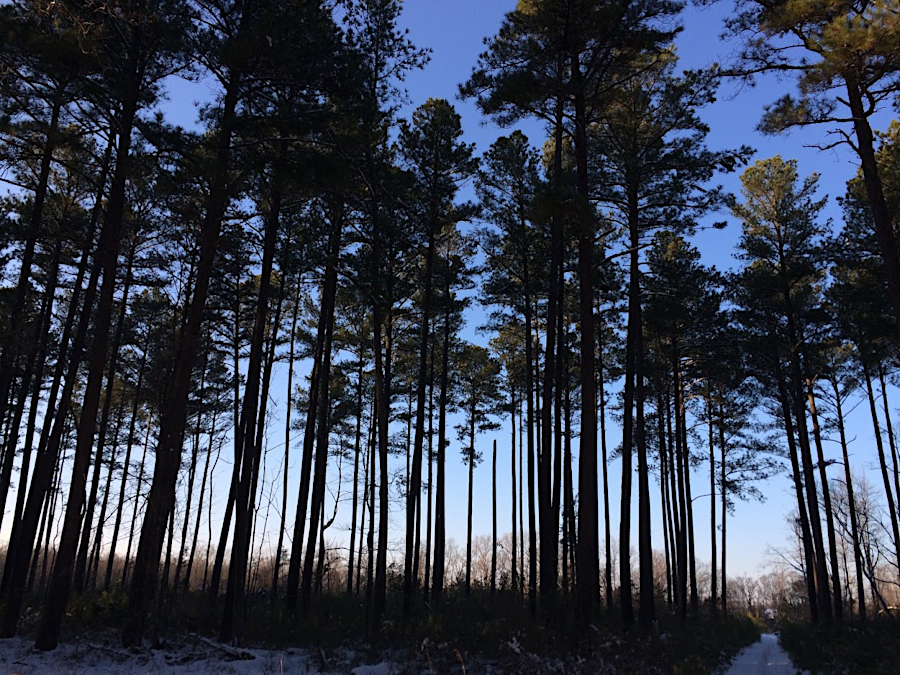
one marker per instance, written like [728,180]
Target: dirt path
[766,657]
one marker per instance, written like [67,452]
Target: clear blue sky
[454,31]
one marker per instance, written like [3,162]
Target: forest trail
[766,657]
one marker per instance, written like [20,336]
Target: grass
[871,647]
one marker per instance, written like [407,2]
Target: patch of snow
[380,669]
[191,657]
[766,657]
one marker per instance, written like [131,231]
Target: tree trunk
[125,466]
[664,499]
[549,519]
[848,478]
[40,358]
[879,444]
[190,560]
[428,517]
[251,454]
[724,452]
[137,501]
[673,464]
[588,558]
[647,599]
[494,520]
[161,498]
[318,495]
[529,423]
[628,432]
[713,600]
[414,491]
[356,453]
[884,230]
[440,496]
[469,510]
[93,569]
[607,526]
[81,561]
[829,513]
[512,458]
[108,256]
[689,502]
[808,551]
[888,427]
[8,347]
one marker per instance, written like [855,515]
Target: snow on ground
[766,657]
[192,657]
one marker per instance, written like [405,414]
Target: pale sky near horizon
[454,31]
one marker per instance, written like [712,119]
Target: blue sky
[455,32]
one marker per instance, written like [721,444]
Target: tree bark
[829,513]
[81,561]
[318,495]
[588,557]
[251,454]
[161,498]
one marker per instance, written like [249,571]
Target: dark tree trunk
[808,550]
[190,560]
[851,500]
[428,517]
[161,499]
[81,561]
[879,444]
[440,510]
[884,230]
[549,519]
[529,423]
[512,461]
[673,464]
[356,453]
[108,258]
[9,347]
[318,494]
[724,452]
[494,519]
[93,569]
[252,450]
[714,603]
[607,526]
[37,361]
[628,432]
[647,601]
[888,427]
[682,468]
[668,543]
[414,492]
[826,500]
[689,502]
[471,463]
[125,467]
[137,501]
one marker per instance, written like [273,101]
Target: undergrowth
[870,647]
[463,633]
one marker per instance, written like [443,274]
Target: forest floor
[467,636]
[102,654]
[870,647]
[195,655]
